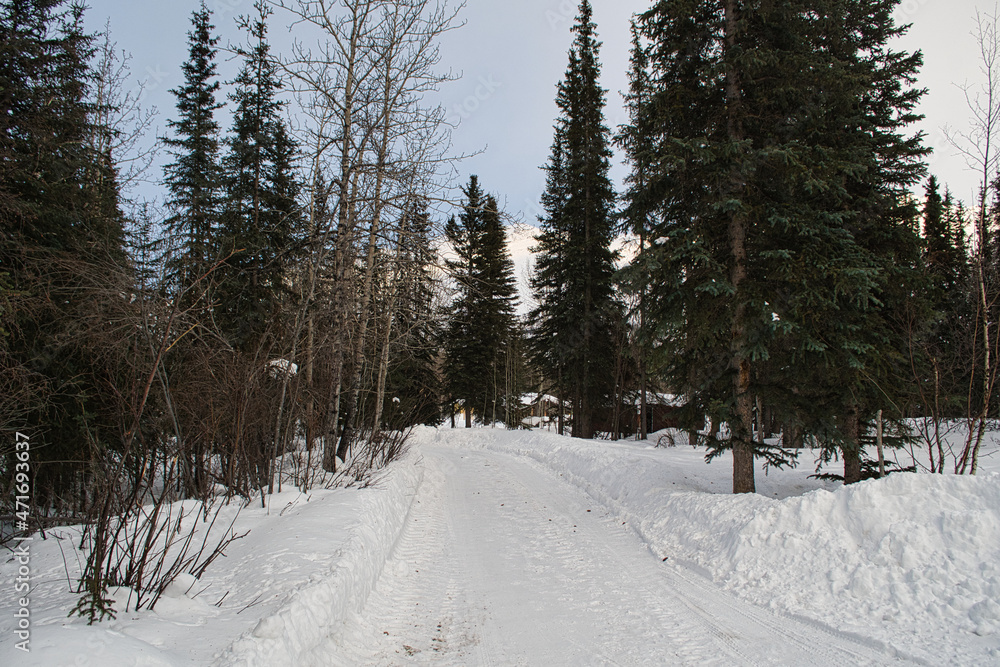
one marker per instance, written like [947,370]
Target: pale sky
[512,54]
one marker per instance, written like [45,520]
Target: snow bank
[308,562]
[920,546]
[911,561]
[316,610]
[86,646]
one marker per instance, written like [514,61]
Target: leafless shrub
[145,547]
[666,439]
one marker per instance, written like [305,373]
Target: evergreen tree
[414,386]
[945,257]
[956,217]
[638,152]
[61,244]
[937,234]
[873,352]
[495,318]
[774,225]
[194,179]
[550,359]
[461,358]
[260,217]
[575,266]
[482,321]
[938,357]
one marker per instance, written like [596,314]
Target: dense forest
[315,282]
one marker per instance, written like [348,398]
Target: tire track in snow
[822,646]
[501,562]
[418,612]
[681,630]
[561,591]
[738,625]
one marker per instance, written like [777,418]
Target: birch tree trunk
[383,364]
[977,146]
[364,79]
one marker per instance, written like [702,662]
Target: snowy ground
[491,547]
[309,561]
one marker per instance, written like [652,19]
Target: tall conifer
[61,242]
[482,318]
[945,257]
[635,142]
[575,265]
[194,179]
[771,222]
[938,358]
[413,386]
[260,215]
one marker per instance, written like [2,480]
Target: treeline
[786,277]
[791,268]
[286,296]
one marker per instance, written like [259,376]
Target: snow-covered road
[487,546]
[503,563]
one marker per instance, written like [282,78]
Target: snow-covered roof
[655,398]
[282,367]
[533,399]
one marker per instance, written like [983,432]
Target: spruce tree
[194,179]
[937,235]
[461,355]
[955,217]
[772,223]
[547,287]
[195,183]
[482,317]
[61,244]
[575,265]
[938,356]
[872,355]
[635,143]
[413,385]
[496,320]
[945,260]
[260,217]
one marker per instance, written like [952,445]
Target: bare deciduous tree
[979,147]
[375,146]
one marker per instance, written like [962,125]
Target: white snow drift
[910,563]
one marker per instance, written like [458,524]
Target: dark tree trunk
[742,431]
[792,437]
[852,447]
[742,434]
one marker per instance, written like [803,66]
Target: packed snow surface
[485,546]
[910,562]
